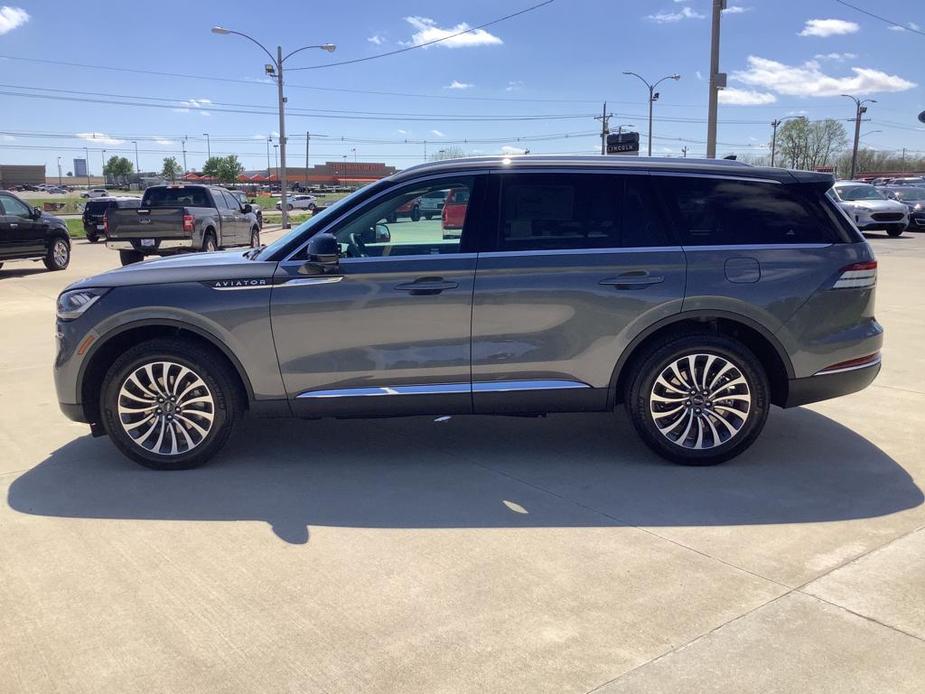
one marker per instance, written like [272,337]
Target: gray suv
[695,293]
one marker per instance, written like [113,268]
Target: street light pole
[183,142]
[308,138]
[137,166]
[269,140]
[87,164]
[208,146]
[59,171]
[653,97]
[275,69]
[276,158]
[103,160]
[860,110]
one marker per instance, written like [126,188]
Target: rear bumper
[824,386]
[162,245]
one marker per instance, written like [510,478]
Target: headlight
[74,303]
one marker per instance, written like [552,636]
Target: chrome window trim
[756,247]
[596,171]
[374,200]
[580,251]
[445,388]
[429,256]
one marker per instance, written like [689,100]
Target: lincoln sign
[623,143]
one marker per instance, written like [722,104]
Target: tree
[69,173]
[875,160]
[223,169]
[171,168]
[805,144]
[448,153]
[118,169]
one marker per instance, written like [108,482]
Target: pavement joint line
[861,615]
[904,390]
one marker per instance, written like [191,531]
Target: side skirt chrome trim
[445,389]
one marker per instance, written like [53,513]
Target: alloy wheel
[60,253]
[700,401]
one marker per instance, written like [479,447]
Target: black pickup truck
[180,218]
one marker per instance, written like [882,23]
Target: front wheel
[58,256]
[169,404]
[415,214]
[92,238]
[698,400]
[895,231]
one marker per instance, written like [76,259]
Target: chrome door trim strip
[309,281]
[542,384]
[429,256]
[755,247]
[445,388]
[580,251]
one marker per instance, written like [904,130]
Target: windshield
[909,194]
[309,225]
[852,193]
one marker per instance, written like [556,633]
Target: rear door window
[712,211]
[176,197]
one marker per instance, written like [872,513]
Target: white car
[869,208]
[95,193]
[299,202]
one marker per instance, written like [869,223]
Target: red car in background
[411,209]
[454,212]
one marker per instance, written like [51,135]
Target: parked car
[95,212]
[908,181]
[697,298]
[914,200]
[95,193]
[411,209]
[241,197]
[432,204]
[178,218]
[298,202]
[454,212]
[56,190]
[869,208]
[27,233]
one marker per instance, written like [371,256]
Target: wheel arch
[94,368]
[756,337]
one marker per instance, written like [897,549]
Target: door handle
[13,225]
[632,280]
[426,286]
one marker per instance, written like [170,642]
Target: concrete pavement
[474,555]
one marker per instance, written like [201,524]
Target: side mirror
[247,209]
[383,235]
[36,213]
[323,255]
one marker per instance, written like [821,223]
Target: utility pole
[902,169]
[208,146]
[87,164]
[604,118]
[860,110]
[354,155]
[137,165]
[269,140]
[183,143]
[684,151]
[308,138]
[425,150]
[774,124]
[59,171]
[103,161]
[717,78]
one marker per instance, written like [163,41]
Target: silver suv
[695,293]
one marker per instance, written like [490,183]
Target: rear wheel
[92,238]
[209,244]
[255,237]
[415,213]
[311,207]
[129,257]
[58,255]
[169,404]
[428,217]
[698,400]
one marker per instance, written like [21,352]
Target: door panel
[21,235]
[366,342]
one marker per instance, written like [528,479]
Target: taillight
[857,276]
[188,223]
[106,223]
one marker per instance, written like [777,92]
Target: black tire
[209,244]
[895,231]
[255,237]
[311,207]
[392,218]
[428,217]
[58,255]
[92,238]
[130,257]
[220,385]
[289,206]
[415,213]
[655,362]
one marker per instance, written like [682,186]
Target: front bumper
[161,245]
[825,386]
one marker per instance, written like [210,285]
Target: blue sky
[554,65]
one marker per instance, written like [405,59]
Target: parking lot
[477,554]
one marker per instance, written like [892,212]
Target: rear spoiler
[814,180]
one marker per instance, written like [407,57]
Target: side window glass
[222,199]
[559,212]
[642,224]
[15,208]
[728,212]
[396,226]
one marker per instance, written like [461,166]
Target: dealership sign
[623,143]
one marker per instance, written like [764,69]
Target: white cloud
[197,105]
[666,17]
[508,149]
[745,97]
[427,30]
[161,140]
[911,25]
[12,17]
[808,79]
[456,84]
[437,133]
[101,138]
[402,132]
[837,57]
[828,27]
[736,9]
[514,86]
[698,74]
[7,138]
[376,40]
[897,28]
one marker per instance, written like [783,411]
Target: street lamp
[774,124]
[59,171]
[275,69]
[103,160]
[276,156]
[863,135]
[653,97]
[860,110]
[137,165]
[87,165]
[208,146]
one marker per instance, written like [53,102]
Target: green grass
[75,227]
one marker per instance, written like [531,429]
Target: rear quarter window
[709,211]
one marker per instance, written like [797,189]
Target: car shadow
[483,472]
[883,235]
[21,271]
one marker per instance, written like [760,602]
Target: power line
[427,43]
[906,27]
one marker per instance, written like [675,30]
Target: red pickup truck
[454,212]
